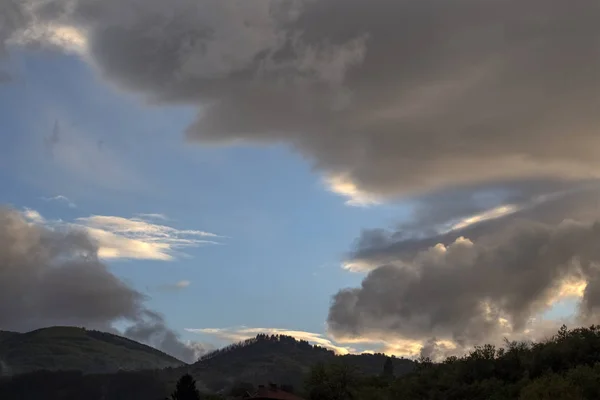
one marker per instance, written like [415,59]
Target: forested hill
[279,358]
[564,367]
[69,348]
[260,360]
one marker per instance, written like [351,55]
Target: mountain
[93,357]
[279,359]
[69,348]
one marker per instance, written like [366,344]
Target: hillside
[263,359]
[6,335]
[563,367]
[68,348]
[280,359]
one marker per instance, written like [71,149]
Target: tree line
[564,367]
[263,339]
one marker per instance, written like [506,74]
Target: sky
[412,177]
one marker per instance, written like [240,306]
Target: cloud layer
[443,100]
[459,276]
[137,238]
[132,238]
[54,277]
[395,97]
[475,284]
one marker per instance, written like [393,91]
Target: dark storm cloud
[401,96]
[468,292]
[549,204]
[53,277]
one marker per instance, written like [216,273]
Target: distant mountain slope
[68,348]
[6,335]
[280,359]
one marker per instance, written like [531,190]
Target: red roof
[273,393]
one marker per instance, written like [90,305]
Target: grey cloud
[548,203]
[12,18]
[430,284]
[437,351]
[155,332]
[54,277]
[464,291]
[435,211]
[402,96]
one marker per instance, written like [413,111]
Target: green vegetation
[6,335]
[74,385]
[233,370]
[566,367]
[278,358]
[186,389]
[67,348]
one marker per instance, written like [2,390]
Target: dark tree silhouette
[186,389]
[388,368]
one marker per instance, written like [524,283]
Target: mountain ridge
[259,360]
[72,348]
[278,358]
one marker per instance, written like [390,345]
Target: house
[272,392]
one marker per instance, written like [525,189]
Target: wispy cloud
[155,216]
[494,213]
[343,186]
[243,333]
[136,238]
[509,209]
[61,199]
[357,266]
[139,227]
[132,238]
[173,287]
[33,216]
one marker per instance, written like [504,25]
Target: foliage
[73,385]
[388,369]
[280,359]
[186,389]
[335,381]
[566,367]
[69,348]
[231,371]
